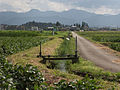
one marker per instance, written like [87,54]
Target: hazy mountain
[66,17]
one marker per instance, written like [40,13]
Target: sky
[94,6]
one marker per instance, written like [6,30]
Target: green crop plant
[10,45]
[28,77]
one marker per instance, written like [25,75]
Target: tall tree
[84,26]
[58,23]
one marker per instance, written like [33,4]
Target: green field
[23,47]
[15,41]
[22,33]
[110,39]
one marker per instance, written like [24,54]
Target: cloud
[59,6]
[6,7]
[26,5]
[100,10]
[105,10]
[94,6]
[92,3]
[17,5]
[46,5]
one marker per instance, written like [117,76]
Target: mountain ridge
[66,17]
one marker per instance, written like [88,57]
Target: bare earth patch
[108,50]
[116,61]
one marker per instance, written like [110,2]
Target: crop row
[11,33]
[10,45]
[22,33]
[106,38]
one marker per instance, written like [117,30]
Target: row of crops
[10,45]
[14,41]
[18,33]
[111,39]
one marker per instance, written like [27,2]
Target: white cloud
[46,5]
[52,5]
[18,5]
[26,5]
[105,10]
[100,10]
[59,6]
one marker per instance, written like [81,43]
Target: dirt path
[97,55]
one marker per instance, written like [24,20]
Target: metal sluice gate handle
[76,47]
[74,58]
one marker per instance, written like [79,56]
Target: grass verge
[30,57]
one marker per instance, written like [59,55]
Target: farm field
[110,38]
[15,41]
[23,70]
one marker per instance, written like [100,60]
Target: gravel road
[100,57]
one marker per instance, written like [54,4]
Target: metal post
[53,31]
[76,47]
[40,50]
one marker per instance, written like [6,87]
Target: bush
[19,77]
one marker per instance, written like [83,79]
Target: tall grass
[67,47]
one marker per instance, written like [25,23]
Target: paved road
[93,53]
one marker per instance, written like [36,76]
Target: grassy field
[26,72]
[22,33]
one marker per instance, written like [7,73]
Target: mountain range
[66,17]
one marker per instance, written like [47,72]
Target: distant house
[82,30]
[65,28]
[3,26]
[73,28]
[0,27]
[50,28]
[34,28]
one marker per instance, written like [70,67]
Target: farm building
[34,28]
[50,28]
[73,28]
[3,26]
